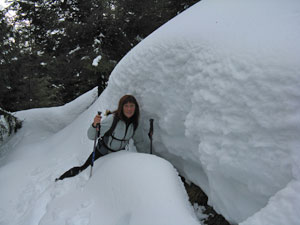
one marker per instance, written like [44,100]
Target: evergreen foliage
[48,47]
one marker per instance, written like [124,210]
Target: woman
[115,131]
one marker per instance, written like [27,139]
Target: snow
[97,60]
[283,208]
[221,82]
[126,187]
[122,192]
[74,50]
[3,4]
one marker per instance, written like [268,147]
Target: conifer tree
[49,60]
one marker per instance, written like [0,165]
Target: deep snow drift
[221,81]
[126,187]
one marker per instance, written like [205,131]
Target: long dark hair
[120,114]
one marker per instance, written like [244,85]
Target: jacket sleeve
[105,124]
[139,140]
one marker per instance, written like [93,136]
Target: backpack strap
[108,133]
[113,126]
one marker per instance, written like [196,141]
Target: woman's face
[129,109]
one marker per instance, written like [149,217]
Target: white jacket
[120,133]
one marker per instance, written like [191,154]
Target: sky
[221,82]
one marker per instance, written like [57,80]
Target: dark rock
[196,195]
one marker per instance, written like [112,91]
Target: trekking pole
[95,141]
[150,134]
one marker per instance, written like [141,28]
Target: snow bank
[126,188]
[36,154]
[282,208]
[221,81]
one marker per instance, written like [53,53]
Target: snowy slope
[126,187]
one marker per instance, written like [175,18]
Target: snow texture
[97,60]
[221,81]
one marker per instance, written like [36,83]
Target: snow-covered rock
[9,124]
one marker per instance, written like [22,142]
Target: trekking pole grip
[150,134]
[151,128]
[98,124]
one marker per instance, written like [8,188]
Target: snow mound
[126,188]
[221,81]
